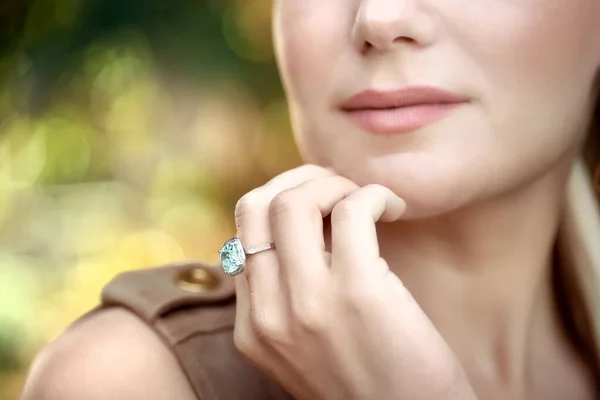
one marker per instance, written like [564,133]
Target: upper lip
[407,96]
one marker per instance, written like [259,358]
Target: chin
[430,188]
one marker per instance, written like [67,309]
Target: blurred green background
[128,130]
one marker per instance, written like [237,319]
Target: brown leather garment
[191,306]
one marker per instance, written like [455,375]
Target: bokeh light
[128,130]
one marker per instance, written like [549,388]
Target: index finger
[354,237]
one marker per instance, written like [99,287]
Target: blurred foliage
[128,130]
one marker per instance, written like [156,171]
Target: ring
[233,255]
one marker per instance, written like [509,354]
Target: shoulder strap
[191,306]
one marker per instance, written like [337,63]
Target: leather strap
[153,292]
[191,306]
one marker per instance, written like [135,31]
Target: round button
[197,280]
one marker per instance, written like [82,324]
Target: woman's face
[525,69]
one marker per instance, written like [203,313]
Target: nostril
[367,45]
[405,39]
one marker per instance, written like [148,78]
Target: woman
[428,250]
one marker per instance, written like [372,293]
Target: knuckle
[376,190]
[310,317]
[283,203]
[248,202]
[357,299]
[345,210]
[267,328]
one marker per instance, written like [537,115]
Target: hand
[336,325]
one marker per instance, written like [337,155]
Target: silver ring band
[258,249]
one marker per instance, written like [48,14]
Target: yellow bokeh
[129,165]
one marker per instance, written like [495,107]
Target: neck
[489,267]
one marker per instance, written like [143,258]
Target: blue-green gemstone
[233,257]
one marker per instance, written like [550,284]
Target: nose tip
[381,24]
[383,34]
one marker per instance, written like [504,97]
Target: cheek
[531,64]
[545,49]
[310,40]
[525,30]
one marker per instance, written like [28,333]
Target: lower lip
[400,120]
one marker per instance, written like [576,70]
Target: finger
[252,213]
[354,236]
[260,292]
[297,225]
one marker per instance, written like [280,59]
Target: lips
[400,111]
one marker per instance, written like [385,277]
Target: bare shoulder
[110,354]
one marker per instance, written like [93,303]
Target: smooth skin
[448,295]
